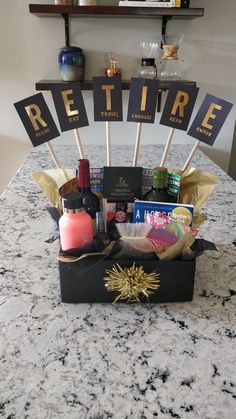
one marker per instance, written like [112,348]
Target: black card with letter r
[179,106]
[37,119]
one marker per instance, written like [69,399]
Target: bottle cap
[159,177]
[72,201]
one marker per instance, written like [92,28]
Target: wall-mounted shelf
[88,84]
[51,10]
[164,13]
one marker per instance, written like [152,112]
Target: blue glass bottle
[71,63]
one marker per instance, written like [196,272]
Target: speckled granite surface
[101,361]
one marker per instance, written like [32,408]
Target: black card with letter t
[209,119]
[179,105]
[107,99]
[37,119]
[142,100]
[69,104]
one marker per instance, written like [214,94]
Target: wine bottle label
[173,184]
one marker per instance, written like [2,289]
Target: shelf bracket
[164,24]
[67,29]
[165,20]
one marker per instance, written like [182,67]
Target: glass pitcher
[170,68]
[148,52]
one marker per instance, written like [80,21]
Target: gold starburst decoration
[130,282]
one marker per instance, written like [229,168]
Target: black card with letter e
[209,119]
[69,104]
[122,183]
[142,100]
[179,106]
[107,99]
[37,119]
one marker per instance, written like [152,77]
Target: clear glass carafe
[170,67]
[148,52]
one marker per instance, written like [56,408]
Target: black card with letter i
[142,100]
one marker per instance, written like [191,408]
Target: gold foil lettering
[144,99]
[108,88]
[68,102]
[181,101]
[111,114]
[177,120]
[210,115]
[74,119]
[34,114]
[204,131]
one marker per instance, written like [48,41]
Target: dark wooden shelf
[88,84]
[50,10]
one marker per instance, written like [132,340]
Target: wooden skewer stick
[137,144]
[108,141]
[193,151]
[167,146]
[79,144]
[53,154]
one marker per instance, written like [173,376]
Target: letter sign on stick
[37,119]
[142,100]
[179,106]
[210,119]
[177,111]
[69,104]
[208,123]
[107,98]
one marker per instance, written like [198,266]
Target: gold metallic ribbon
[131,282]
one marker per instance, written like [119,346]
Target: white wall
[29,47]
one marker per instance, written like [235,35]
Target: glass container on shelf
[63,2]
[170,67]
[148,68]
[72,63]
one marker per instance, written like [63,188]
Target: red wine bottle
[159,193]
[90,200]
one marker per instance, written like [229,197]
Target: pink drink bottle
[75,225]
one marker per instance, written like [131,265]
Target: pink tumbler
[75,225]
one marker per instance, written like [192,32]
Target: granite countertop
[113,361]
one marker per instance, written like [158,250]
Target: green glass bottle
[159,193]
